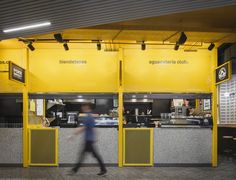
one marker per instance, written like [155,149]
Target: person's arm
[79,130]
[76,132]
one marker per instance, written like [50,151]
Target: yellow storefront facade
[83,69]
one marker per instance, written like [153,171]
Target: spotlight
[58,37]
[66,47]
[212,45]
[143,46]
[182,38]
[176,47]
[30,46]
[99,46]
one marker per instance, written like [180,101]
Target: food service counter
[171,146]
[11,146]
[185,146]
[107,146]
[182,146]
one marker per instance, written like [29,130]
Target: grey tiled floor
[225,171]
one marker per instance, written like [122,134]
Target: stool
[228,146]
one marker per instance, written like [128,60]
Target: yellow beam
[120,137]
[197,101]
[120,108]
[25,113]
[215,115]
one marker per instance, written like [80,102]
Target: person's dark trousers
[89,147]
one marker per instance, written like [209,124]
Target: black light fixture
[211,46]
[58,37]
[143,46]
[30,46]
[182,38]
[176,47]
[99,46]
[66,47]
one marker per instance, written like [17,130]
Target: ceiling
[116,35]
[216,25]
[64,14]
[221,19]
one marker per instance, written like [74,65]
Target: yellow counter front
[43,146]
[138,147]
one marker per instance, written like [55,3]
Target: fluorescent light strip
[27,27]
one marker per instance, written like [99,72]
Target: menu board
[223,73]
[206,104]
[178,102]
[16,73]
[39,107]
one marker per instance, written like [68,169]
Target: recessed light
[32,26]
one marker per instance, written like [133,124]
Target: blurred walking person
[89,140]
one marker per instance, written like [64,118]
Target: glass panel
[11,108]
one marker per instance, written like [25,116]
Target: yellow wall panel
[18,56]
[47,74]
[140,75]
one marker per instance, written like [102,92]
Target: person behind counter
[89,147]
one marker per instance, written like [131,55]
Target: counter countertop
[227,125]
[185,126]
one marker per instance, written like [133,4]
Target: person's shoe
[72,172]
[102,173]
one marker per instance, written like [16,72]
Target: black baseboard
[11,165]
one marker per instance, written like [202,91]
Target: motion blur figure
[89,137]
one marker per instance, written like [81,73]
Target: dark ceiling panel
[65,14]
[221,19]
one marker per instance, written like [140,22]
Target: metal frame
[10,73]
[120,109]
[56,146]
[215,117]
[120,82]
[230,71]
[26,113]
[151,146]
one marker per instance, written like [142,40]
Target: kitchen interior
[139,110]
[167,110]
[65,110]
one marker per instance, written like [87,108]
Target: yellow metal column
[197,101]
[25,113]
[215,116]
[120,155]
[120,108]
